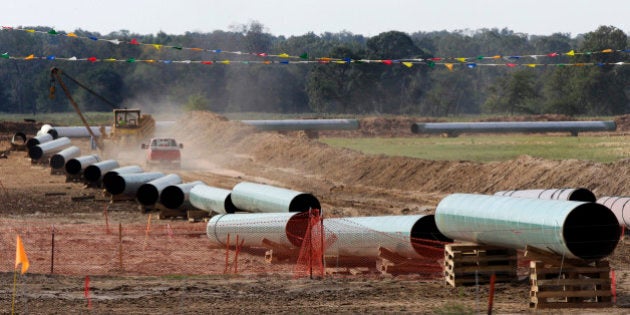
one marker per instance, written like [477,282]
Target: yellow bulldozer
[130,126]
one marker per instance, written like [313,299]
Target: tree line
[323,88]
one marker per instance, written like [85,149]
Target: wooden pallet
[470,264]
[587,286]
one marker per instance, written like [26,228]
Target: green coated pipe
[254,197]
[572,229]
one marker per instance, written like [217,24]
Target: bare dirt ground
[347,183]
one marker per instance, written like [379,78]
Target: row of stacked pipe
[567,222]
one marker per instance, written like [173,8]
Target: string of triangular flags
[408,64]
[449,62]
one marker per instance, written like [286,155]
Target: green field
[486,148]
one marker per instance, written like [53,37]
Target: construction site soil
[223,153]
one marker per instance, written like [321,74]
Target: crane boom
[55,75]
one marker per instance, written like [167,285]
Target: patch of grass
[454,309]
[486,148]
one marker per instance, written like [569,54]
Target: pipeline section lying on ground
[454,128]
[37,140]
[46,149]
[286,229]
[176,196]
[212,199]
[75,166]
[94,173]
[59,159]
[149,193]
[128,184]
[620,206]
[574,194]
[254,197]
[407,235]
[572,229]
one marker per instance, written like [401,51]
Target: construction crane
[129,124]
[55,76]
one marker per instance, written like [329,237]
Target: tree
[515,94]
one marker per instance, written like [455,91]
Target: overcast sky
[297,17]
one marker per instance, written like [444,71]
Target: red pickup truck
[164,152]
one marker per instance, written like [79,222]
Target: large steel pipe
[212,199]
[304,124]
[76,165]
[31,142]
[95,172]
[409,235]
[19,139]
[572,229]
[130,169]
[286,229]
[76,131]
[254,197]
[574,194]
[49,148]
[128,184]
[620,206]
[44,130]
[149,193]
[59,159]
[176,196]
[454,128]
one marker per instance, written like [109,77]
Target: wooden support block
[471,264]
[197,215]
[171,214]
[561,286]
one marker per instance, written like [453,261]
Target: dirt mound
[310,165]
[11,127]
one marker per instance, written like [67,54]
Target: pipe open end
[115,184]
[73,167]
[35,153]
[582,194]
[53,133]
[147,194]
[296,228]
[417,128]
[229,205]
[425,237]
[591,231]
[57,161]
[303,203]
[18,138]
[172,197]
[92,173]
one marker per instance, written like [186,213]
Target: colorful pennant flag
[20,256]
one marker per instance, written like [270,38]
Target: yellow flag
[29,57]
[407,64]
[607,50]
[571,53]
[283,55]
[157,46]
[449,66]
[531,65]
[461,59]
[20,256]
[71,35]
